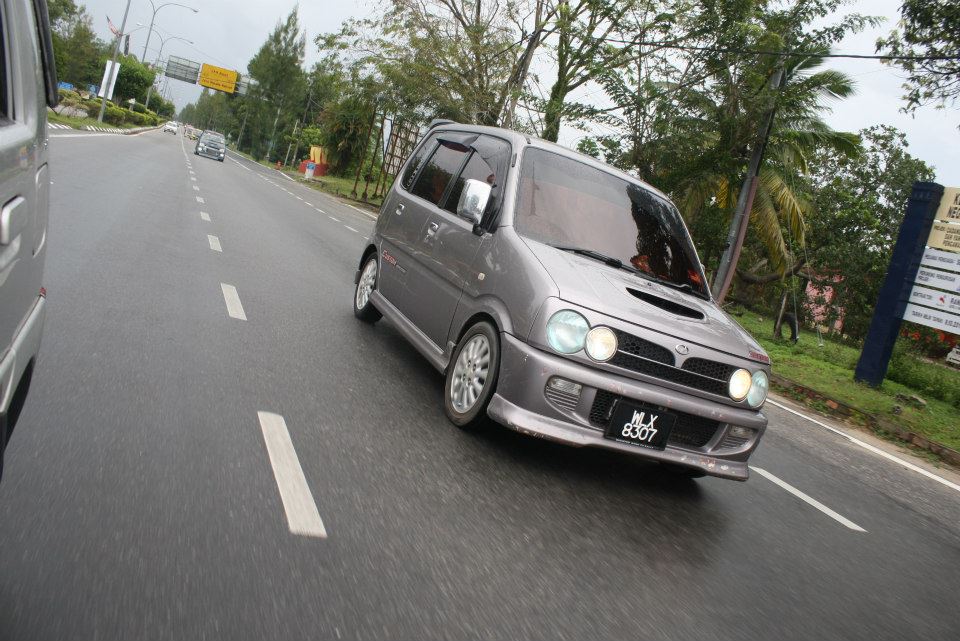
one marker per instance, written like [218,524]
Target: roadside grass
[340,186]
[80,123]
[829,370]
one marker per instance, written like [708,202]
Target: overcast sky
[229,32]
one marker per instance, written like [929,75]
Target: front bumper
[210,153]
[521,403]
[24,348]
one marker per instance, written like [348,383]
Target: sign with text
[944,236]
[949,205]
[932,318]
[182,69]
[218,78]
[935,298]
[939,279]
[941,259]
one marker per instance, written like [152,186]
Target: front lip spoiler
[532,424]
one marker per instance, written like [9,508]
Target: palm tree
[798,132]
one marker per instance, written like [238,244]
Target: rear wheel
[472,376]
[362,306]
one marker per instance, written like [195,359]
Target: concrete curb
[881,425]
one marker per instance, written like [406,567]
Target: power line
[787,54]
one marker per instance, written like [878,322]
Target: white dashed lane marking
[200,200]
[193,178]
[204,216]
[195,188]
[214,243]
[333,219]
[351,229]
[303,518]
[809,500]
[232,299]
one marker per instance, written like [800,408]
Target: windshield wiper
[603,258]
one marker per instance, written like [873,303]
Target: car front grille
[689,430]
[645,357]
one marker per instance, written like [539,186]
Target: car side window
[439,170]
[417,161]
[5,98]
[477,169]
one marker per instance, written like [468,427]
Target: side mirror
[473,200]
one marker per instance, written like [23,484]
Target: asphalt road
[140,501]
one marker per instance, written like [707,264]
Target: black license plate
[640,425]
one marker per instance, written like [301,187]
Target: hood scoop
[666,305]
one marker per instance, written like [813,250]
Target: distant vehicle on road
[564,299]
[25,196]
[212,145]
[172,127]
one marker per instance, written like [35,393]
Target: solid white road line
[303,518]
[232,299]
[808,499]
[200,200]
[204,216]
[872,448]
[365,213]
[214,243]
[351,229]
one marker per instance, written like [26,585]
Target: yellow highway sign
[218,78]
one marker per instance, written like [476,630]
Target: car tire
[472,376]
[682,471]
[367,283]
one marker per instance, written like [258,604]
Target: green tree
[690,116]
[859,204]
[275,100]
[78,52]
[133,80]
[928,28]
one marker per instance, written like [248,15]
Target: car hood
[615,292]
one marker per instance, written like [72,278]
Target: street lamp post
[113,64]
[155,10]
[163,41]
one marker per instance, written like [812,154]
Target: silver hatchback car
[564,299]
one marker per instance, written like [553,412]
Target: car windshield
[213,139]
[571,205]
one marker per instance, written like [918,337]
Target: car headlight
[758,389]
[567,331]
[740,383]
[601,344]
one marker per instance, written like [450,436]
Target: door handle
[432,229]
[399,210]
[13,218]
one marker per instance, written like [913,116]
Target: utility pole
[741,215]
[273,135]
[113,64]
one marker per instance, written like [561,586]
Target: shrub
[115,115]
[930,379]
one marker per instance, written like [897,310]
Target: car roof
[520,140]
